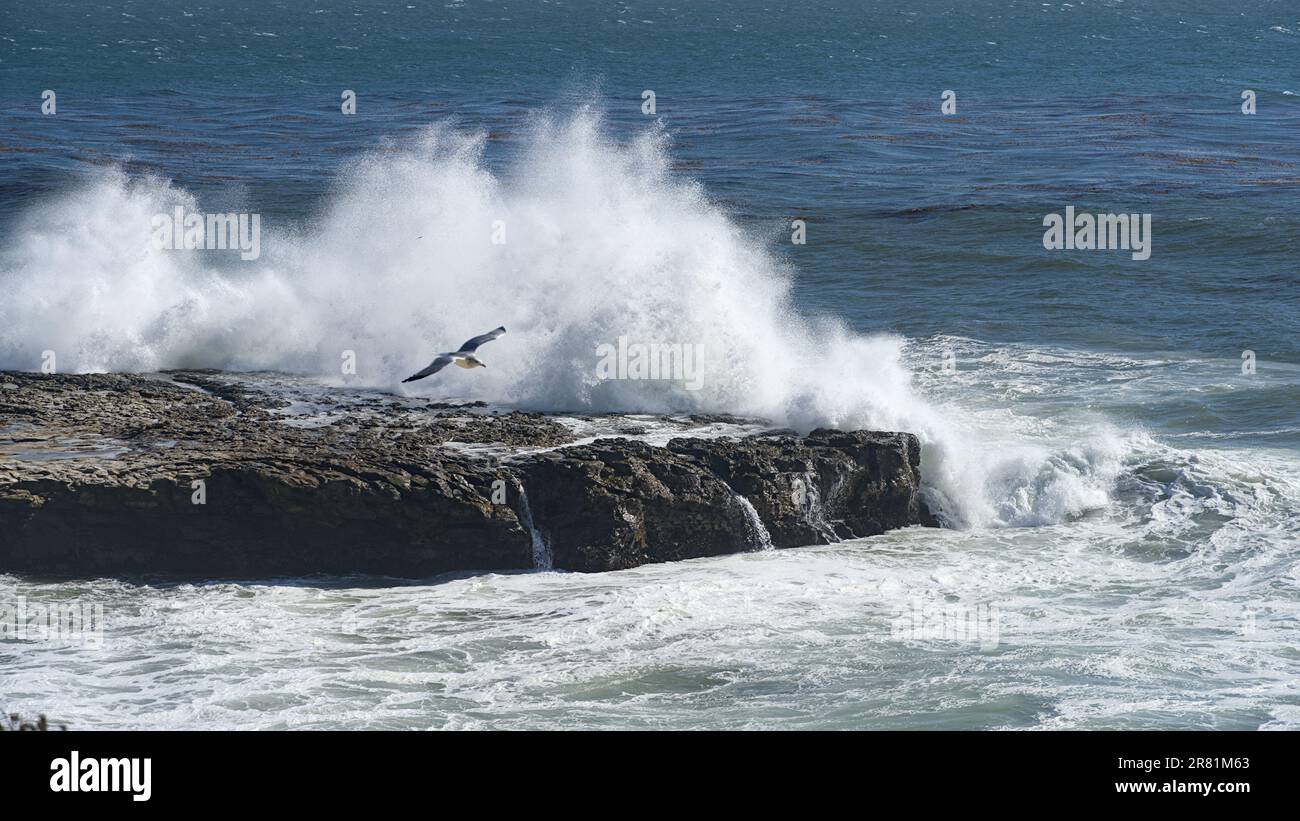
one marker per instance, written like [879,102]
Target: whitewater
[1143,575]
[601,242]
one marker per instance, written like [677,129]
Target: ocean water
[1122,495]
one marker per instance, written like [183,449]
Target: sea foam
[601,241]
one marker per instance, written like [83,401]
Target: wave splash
[601,241]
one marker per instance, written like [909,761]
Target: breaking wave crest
[601,241]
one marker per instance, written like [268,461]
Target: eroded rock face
[827,486]
[618,503]
[97,476]
[98,473]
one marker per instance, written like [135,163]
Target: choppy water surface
[1169,600]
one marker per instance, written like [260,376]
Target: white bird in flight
[464,357]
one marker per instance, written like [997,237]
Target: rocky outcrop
[828,486]
[198,475]
[616,504]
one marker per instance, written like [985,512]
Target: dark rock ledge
[97,473]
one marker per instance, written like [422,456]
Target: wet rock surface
[203,475]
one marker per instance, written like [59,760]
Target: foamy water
[1173,603]
[1139,555]
[601,241]
[1091,625]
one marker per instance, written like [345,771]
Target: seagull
[464,357]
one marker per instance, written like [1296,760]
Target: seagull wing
[471,345]
[443,360]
